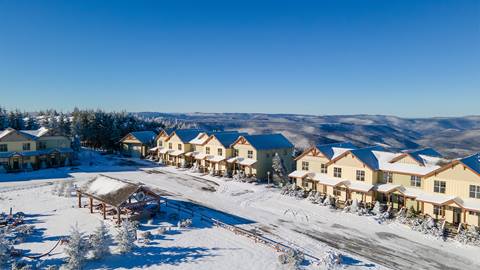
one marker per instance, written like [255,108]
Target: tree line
[93,128]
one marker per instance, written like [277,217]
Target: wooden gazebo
[116,196]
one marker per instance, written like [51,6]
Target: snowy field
[363,243]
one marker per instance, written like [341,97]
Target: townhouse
[33,149]
[176,145]
[314,161]
[253,154]
[137,144]
[212,154]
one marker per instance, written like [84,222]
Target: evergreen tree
[279,173]
[5,249]
[126,237]
[100,242]
[76,250]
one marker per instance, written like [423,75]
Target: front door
[16,165]
[457,215]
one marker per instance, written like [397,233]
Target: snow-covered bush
[186,223]
[146,237]
[315,197]
[100,242]
[331,260]
[22,231]
[126,237]
[428,226]
[378,209]
[21,265]
[469,236]
[5,250]
[76,250]
[292,258]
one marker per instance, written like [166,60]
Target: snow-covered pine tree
[76,250]
[126,237]
[100,242]
[279,176]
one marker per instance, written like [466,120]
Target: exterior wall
[407,159]
[349,165]
[314,162]
[15,141]
[458,180]
[173,143]
[265,157]
[243,153]
[213,144]
[55,141]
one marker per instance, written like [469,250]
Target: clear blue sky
[406,58]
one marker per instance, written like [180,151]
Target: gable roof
[29,134]
[226,139]
[110,190]
[422,156]
[268,141]
[145,137]
[472,162]
[185,135]
[203,137]
[329,149]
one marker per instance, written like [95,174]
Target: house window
[337,192]
[304,166]
[160,143]
[439,186]
[337,172]
[170,146]
[415,181]
[179,147]
[3,148]
[387,177]
[323,168]
[26,147]
[472,213]
[438,210]
[220,151]
[475,192]
[207,150]
[42,145]
[360,175]
[235,152]
[250,154]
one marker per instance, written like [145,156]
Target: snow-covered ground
[314,229]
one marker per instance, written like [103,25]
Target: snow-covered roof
[31,134]
[298,174]
[201,156]
[324,179]
[268,141]
[407,168]
[110,190]
[153,149]
[176,153]
[165,150]
[359,186]
[333,150]
[387,188]
[186,135]
[200,139]
[232,159]
[191,154]
[246,161]
[469,204]
[215,158]
[437,199]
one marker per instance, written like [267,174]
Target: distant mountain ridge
[453,136]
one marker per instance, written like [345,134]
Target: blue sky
[406,58]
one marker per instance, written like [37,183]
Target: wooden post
[118,216]
[91,205]
[464,216]
[443,211]
[104,208]
[79,199]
